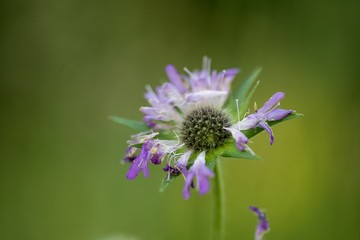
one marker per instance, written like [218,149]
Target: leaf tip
[258,69]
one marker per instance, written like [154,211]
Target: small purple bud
[263,225]
[172,170]
[130,155]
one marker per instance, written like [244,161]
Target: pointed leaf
[211,161]
[236,153]
[244,105]
[130,123]
[231,151]
[243,94]
[245,87]
[165,182]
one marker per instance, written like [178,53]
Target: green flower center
[203,129]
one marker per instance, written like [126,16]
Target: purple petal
[263,225]
[239,138]
[156,152]
[169,93]
[182,162]
[271,102]
[156,158]
[155,113]
[221,81]
[204,185]
[199,81]
[262,228]
[151,96]
[203,180]
[268,129]
[249,122]
[231,72]
[202,173]
[278,114]
[165,112]
[187,185]
[134,169]
[149,122]
[181,165]
[139,164]
[145,168]
[167,168]
[255,210]
[150,111]
[175,78]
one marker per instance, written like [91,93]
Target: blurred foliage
[67,65]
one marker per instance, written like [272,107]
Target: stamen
[154,150]
[237,109]
[277,104]
[247,113]
[188,71]
[171,152]
[176,137]
[169,149]
[223,75]
[247,148]
[139,165]
[207,68]
[149,89]
[206,64]
[183,176]
[255,106]
[173,157]
[238,112]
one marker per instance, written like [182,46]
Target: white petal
[215,98]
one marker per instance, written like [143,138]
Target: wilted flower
[263,225]
[188,127]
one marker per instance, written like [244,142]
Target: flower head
[188,127]
[263,225]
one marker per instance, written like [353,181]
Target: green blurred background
[67,65]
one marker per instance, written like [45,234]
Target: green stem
[218,204]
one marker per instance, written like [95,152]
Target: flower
[151,150]
[188,127]
[202,174]
[263,225]
[183,161]
[268,112]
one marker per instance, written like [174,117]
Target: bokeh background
[66,65]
